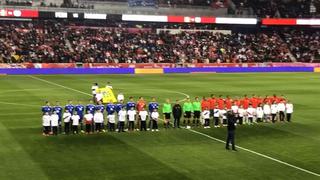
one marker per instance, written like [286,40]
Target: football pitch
[269,151]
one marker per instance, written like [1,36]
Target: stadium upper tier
[54,41]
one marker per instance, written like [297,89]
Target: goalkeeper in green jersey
[187,110]
[166,110]
[196,106]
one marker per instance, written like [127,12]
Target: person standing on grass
[122,114]
[274,111]
[151,107]
[131,117]
[88,117]
[111,110]
[130,105]
[141,104]
[266,112]
[241,113]
[231,131]
[66,119]
[187,110]
[155,118]
[75,118]
[57,108]
[79,108]
[259,113]
[119,106]
[289,110]
[206,117]
[98,120]
[216,116]
[196,106]
[250,114]
[177,113]
[166,110]
[223,115]
[46,124]
[94,88]
[91,109]
[281,109]
[69,107]
[143,115]
[100,107]
[54,118]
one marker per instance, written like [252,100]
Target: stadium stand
[54,42]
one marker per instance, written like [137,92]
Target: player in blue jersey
[131,103]
[119,106]
[46,108]
[79,108]
[90,107]
[57,108]
[152,106]
[69,107]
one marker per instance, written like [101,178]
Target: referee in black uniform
[231,130]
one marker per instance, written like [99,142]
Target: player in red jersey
[254,101]
[212,102]
[221,102]
[205,103]
[245,102]
[141,104]
[228,102]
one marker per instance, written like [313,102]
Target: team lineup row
[121,116]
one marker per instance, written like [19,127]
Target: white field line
[205,135]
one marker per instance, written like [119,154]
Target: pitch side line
[206,135]
[257,153]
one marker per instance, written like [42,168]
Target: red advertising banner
[23,13]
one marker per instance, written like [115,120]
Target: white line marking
[257,153]
[206,135]
[30,105]
[49,82]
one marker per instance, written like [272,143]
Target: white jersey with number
[132,115]
[155,115]
[143,115]
[274,109]
[259,111]
[112,118]
[54,118]
[289,108]
[98,117]
[206,114]
[46,120]
[66,117]
[122,115]
[266,109]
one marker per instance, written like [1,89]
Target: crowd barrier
[20,70]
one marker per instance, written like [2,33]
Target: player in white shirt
[216,116]
[98,97]
[266,112]
[223,115]
[206,117]
[281,110]
[98,120]
[250,114]
[122,115]
[143,117]
[46,124]
[120,97]
[88,119]
[289,110]
[54,118]
[66,119]
[259,112]
[75,122]
[131,117]
[241,114]
[154,120]
[111,122]
[274,111]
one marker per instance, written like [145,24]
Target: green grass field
[168,154]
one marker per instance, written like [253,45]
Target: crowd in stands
[282,8]
[57,42]
[18,3]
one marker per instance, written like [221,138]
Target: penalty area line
[257,153]
[203,134]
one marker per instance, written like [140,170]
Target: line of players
[133,114]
